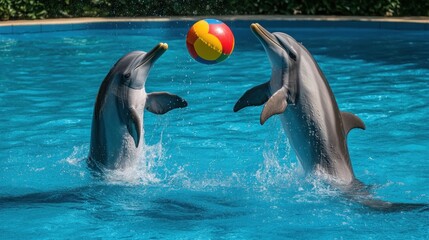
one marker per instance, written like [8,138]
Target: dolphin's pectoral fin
[255,96]
[351,121]
[135,126]
[162,102]
[275,105]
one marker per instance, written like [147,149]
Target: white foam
[143,172]
[74,158]
[277,168]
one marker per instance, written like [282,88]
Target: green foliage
[32,9]
[414,7]
[22,9]
[6,9]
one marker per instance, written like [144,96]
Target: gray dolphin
[299,92]
[117,123]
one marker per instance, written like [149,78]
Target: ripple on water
[207,172]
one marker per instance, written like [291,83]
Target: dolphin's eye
[125,79]
[292,55]
[287,46]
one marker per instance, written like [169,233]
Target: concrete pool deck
[66,24]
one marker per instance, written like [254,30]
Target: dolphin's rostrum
[299,92]
[117,124]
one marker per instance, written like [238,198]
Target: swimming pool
[208,173]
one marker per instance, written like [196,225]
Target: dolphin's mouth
[153,54]
[263,34]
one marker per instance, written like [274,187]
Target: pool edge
[70,24]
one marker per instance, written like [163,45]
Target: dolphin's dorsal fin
[255,96]
[275,105]
[162,102]
[135,125]
[351,121]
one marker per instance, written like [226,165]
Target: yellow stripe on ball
[209,47]
[201,28]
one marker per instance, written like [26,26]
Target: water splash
[143,173]
[280,170]
[74,158]
[277,169]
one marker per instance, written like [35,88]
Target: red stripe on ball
[225,36]
[192,36]
[191,50]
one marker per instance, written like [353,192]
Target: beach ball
[210,41]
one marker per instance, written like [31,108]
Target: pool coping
[71,24]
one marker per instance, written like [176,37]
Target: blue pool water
[208,173]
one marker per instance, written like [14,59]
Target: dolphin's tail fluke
[360,193]
[383,206]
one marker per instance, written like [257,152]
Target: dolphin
[317,130]
[117,124]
